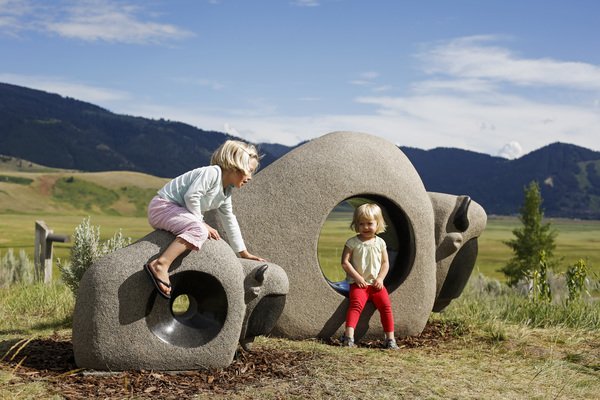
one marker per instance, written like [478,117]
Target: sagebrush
[86,249]
[16,269]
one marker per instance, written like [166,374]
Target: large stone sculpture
[121,323]
[283,209]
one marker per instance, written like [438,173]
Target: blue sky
[497,77]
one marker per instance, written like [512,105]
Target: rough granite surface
[282,210]
[119,318]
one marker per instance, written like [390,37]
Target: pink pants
[162,214]
[381,299]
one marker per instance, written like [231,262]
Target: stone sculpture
[121,323]
[432,237]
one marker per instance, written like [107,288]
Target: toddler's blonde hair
[369,211]
[235,155]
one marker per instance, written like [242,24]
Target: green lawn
[17,231]
[576,239]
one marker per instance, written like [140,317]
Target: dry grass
[538,364]
[488,360]
[528,364]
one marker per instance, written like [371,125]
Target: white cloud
[305,3]
[11,13]
[215,85]
[78,91]
[367,81]
[110,21]
[455,85]
[468,58]
[511,150]
[369,75]
[361,83]
[456,121]
[88,20]
[383,88]
[9,25]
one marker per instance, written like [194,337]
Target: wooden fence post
[42,258]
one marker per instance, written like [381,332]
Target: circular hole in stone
[180,305]
[198,318]
[336,231]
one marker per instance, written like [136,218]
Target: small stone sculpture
[121,323]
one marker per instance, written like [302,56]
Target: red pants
[381,299]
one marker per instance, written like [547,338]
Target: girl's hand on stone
[212,232]
[245,254]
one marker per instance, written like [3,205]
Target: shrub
[483,304]
[15,270]
[541,285]
[576,278]
[86,249]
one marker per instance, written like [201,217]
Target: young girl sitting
[366,263]
[180,204]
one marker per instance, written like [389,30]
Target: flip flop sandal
[156,280]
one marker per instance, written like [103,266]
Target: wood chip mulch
[51,360]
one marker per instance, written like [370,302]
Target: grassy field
[576,240]
[508,348]
[64,198]
[18,231]
[118,200]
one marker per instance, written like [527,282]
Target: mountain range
[62,132]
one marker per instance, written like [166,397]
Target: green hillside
[27,188]
[569,178]
[62,132]
[69,133]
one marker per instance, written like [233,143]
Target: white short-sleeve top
[366,258]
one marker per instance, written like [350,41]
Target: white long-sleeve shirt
[201,190]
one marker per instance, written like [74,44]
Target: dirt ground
[51,360]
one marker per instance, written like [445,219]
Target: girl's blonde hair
[369,211]
[235,155]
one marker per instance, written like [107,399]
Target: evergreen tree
[530,239]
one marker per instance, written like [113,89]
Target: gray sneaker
[391,344]
[347,341]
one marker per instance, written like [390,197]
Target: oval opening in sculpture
[180,305]
[197,324]
[336,230]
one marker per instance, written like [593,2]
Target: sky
[500,77]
